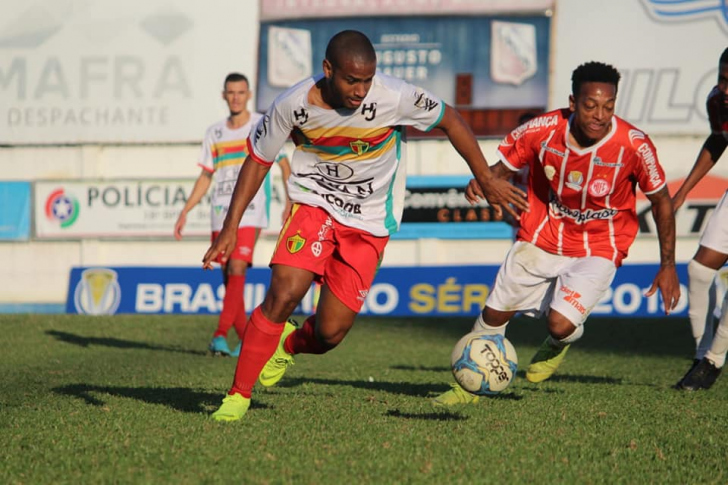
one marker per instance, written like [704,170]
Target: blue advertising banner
[15,213]
[406,292]
[478,62]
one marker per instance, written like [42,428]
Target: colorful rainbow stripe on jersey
[227,153]
[344,144]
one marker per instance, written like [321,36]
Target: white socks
[568,340]
[720,343]
[702,304]
[480,325]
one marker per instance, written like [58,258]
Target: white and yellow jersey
[350,162]
[223,153]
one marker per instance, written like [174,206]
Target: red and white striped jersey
[582,201]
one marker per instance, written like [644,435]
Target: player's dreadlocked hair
[724,57]
[594,72]
[350,43]
[235,77]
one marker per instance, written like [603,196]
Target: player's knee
[330,338]
[280,303]
[567,334]
[564,330]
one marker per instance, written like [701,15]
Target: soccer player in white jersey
[585,165]
[223,151]
[347,184]
[712,253]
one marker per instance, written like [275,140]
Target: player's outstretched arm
[713,148]
[249,181]
[473,192]
[499,193]
[666,279]
[198,191]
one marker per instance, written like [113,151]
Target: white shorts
[715,236]
[533,281]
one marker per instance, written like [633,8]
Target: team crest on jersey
[359,147]
[575,180]
[599,187]
[295,243]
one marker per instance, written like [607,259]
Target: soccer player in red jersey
[223,151]
[347,183]
[585,165]
[712,254]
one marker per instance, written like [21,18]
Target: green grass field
[127,399]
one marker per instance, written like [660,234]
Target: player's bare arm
[249,181]
[198,192]
[498,192]
[473,192]
[666,279]
[713,148]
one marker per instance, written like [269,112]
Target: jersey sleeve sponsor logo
[550,172]
[534,125]
[262,129]
[425,103]
[650,161]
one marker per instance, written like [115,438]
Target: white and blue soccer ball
[484,364]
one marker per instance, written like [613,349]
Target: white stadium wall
[107,59]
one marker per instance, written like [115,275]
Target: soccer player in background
[712,254]
[347,185]
[585,164]
[223,151]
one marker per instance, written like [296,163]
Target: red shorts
[244,246]
[343,258]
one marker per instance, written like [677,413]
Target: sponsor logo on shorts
[362,295]
[599,187]
[245,250]
[295,243]
[316,248]
[572,298]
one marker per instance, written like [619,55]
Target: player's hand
[677,202]
[473,193]
[667,282]
[503,195]
[223,246]
[179,225]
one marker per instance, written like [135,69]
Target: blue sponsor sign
[15,213]
[406,292]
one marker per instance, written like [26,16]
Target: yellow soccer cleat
[545,362]
[454,397]
[275,368]
[233,408]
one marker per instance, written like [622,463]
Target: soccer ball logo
[484,364]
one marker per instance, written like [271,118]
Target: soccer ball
[484,364]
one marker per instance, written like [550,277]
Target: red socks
[259,344]
[233,307]
[304,341]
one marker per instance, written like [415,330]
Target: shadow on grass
[580,378]
[81,341]
[179,398]
[426,368]
[431,416]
